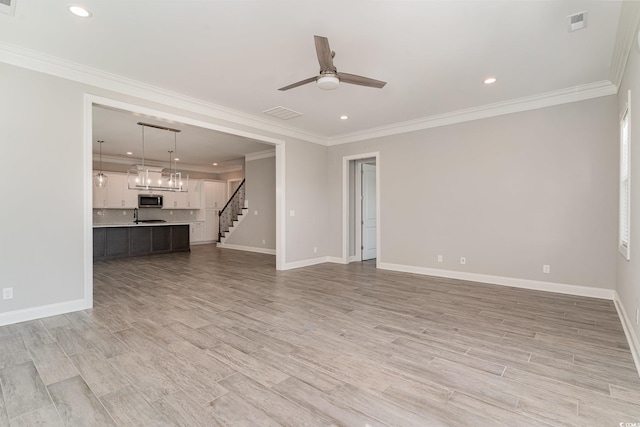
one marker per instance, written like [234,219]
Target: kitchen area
[157,187]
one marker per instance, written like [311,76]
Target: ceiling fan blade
[325,57]
[359,80]
[300,83]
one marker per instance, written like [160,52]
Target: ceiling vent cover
[8,7]
[280,112]
[577,21]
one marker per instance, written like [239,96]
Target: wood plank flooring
[219,338]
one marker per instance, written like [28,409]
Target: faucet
[135,215]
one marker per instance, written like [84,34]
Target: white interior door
[369,244]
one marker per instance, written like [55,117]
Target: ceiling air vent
[577,21]
[8,7]
[280,112]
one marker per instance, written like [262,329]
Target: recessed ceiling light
[176,159]
[215,164]
[80,11]
[129,153]
[490,80]
[343,117]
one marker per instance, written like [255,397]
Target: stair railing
[231,210]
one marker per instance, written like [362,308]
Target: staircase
[232,214]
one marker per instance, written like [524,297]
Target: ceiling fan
[329,77]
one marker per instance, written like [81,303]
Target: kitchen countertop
[142,224]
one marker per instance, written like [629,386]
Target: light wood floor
[218,337]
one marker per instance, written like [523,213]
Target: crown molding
[132,161]
[625,40]
[260,155]
[563,96]
[37,61]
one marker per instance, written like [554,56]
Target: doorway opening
[361,208]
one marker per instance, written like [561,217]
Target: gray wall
[628,279]
[509,193]
[260,192]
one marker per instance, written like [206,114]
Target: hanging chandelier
[149,178]
[100,179]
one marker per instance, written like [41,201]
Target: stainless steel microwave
[149,201]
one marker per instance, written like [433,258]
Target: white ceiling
[433,54]
[193,146]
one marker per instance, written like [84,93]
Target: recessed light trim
[215,164]
[344,117]
[490,80]
[177,159]
[80,11]
[129,153]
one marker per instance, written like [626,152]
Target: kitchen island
[129,240]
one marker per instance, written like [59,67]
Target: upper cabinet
[117,195]
[215,194]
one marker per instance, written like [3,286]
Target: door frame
[345,205]
[358,203]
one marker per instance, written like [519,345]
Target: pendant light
[100,179]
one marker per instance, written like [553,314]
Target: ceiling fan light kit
[329,77]
[328,82]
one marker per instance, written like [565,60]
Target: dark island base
[122,242]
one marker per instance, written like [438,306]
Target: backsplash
[125,216]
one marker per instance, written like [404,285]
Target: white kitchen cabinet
[118,193]
[211,225]
[194,195]
[100,197]
[196,232]
[215,193]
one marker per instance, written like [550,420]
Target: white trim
[281,241]
[260,155]
[247,248]
[632,338]
[37,61]
[353,258]
[564,96]
[308,262]
[536,285]
[345,202]
[43,311]
[625,40]
[87,158]
[335,260]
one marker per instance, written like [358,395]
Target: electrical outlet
[264,242]
[637,317]
[315,249]
[124,213]
[292,213]
[439,258]
[546,268]
[190,212]
[255,212]
[170,212]
[7,293]
[463,260]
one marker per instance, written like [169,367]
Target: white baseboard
[560,288]
[18,316]
[354,258]
[632,338]
[306,262]
[337,260]
[247,248]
